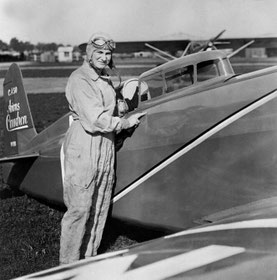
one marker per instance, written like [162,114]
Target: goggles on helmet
[102,43]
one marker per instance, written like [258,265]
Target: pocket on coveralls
[76,195]
[76,187]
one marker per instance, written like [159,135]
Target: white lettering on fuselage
[14,120]
[18,122]
[13,107]
[12,91]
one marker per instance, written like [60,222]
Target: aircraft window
[130,93]
[155,87]
[179,78]
[144,91]
[207,70]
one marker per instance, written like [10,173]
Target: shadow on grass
[6,192]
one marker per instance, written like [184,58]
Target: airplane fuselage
[232,167]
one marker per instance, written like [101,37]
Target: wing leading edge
[18,157]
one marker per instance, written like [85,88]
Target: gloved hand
[122,107]
[134,120]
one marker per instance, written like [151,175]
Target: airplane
[203,45]
[202,164]
[206,145]
[198,46]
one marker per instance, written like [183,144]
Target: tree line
[21,46]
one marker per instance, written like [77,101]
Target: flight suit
[89,156]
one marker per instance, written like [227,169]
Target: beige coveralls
[88,162]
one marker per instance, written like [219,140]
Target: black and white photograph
[138,139]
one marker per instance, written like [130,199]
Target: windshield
[207,70]
[171,80]
[179,78]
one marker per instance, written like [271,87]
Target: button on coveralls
[89,156]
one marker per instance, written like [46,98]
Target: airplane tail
[18,123]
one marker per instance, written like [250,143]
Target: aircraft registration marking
[13,144]
[104,270]
[91,268]
[261,223]
[117,268]
[182,263]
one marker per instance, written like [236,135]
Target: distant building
[47,57]
[6,55]
[271,48]
[65,54]
[138,48]
[255,53]
[34,55]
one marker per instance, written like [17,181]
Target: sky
[73,21]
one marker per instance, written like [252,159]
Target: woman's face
[101,58]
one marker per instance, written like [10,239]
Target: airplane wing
[244,249]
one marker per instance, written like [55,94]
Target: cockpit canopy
[189,72]
[183,73]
